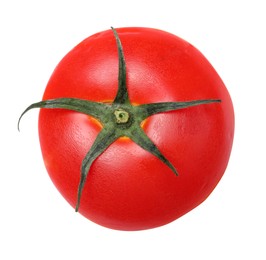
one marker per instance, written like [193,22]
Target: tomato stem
[119,119]
[121,116]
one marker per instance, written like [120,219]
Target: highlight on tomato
[136,128]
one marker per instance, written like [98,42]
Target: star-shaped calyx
[119,119]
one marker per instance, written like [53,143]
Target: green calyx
[119,119]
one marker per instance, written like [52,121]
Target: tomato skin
[128,188]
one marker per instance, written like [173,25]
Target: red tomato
[127,187]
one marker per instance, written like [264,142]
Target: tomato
[130,186]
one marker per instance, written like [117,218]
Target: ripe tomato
[127,187]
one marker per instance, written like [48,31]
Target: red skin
[127,187]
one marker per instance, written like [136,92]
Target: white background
[36,223]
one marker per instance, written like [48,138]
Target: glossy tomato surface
[127,187]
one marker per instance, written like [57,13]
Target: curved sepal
[140,138]
[94,109]
[154,108]
[122,93]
